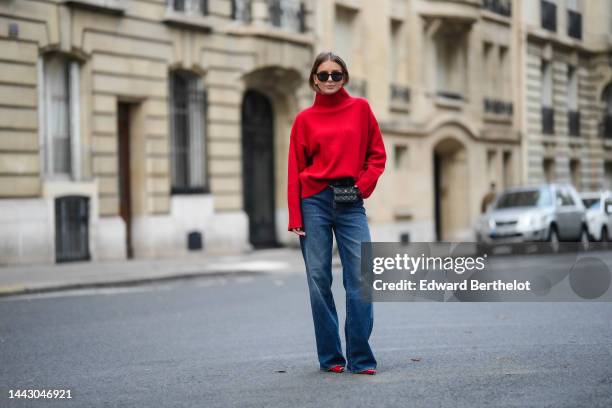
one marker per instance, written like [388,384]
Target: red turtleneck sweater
[338,136]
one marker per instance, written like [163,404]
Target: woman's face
[329,86]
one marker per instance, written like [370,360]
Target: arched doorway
[451,190]
[258,168]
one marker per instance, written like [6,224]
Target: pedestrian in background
[336,156]
[488,198]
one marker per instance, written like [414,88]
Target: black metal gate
[258,168]
[71,228]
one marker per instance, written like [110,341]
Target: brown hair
[321,58]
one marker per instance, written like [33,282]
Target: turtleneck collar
[332,100]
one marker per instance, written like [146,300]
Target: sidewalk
[21,279]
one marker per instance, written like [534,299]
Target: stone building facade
[152,128]
[145,127]
[566,74]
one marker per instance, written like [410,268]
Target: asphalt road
[248,341]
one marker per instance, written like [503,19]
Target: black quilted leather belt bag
[345,194]
[344,191]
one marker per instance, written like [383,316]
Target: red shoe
[336,369]
[369,371]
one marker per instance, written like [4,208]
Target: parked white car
[550,212]
[599,214]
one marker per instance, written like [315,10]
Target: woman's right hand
[298,231]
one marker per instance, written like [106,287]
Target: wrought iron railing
[400,94]
[399,98]
[502,7]
[450,95]
[189,7]
[287,14]
[498,107]
[242,10]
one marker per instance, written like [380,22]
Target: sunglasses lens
[336,76]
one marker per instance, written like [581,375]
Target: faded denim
[348,222]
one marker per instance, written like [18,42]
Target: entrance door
[125,205]
[71,229]
[258,168]
[451,188]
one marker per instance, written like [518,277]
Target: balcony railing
[548,120]
[503,7]
[574,24]
[450,95]
[400,97]
[101,6]
[189,7]
[242,10]
[606,126]
[573,121]
[498,107]
[288,14]
[548,15]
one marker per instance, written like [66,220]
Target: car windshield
[526,198]
[591,203]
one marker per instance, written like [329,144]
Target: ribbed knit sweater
[338,136]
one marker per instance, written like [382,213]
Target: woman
[334,142]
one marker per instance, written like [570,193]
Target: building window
[492,164]
[242,10]
[287,14]
[190,7]
[606,125]
[574,19]
[548,167]
[503,7]
[573,114]
[548,113]
[345,33]
[451,63]
[60,125]
[188,147]
[396,47]
[548,15]
[346,39]
[575,173]
[609,17]
[607,184]
[507,168]
[489,66]
[401,157]
[504,73]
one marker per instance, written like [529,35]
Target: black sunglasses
[335,76]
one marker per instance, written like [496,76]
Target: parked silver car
[598,213]
[551,212]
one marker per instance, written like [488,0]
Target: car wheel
[553,239]
[584,239]
[604,235]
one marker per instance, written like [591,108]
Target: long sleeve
[375,159]
[296,163]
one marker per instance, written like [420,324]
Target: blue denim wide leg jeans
[320,217]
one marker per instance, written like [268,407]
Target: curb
[24,289]
[17,290]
